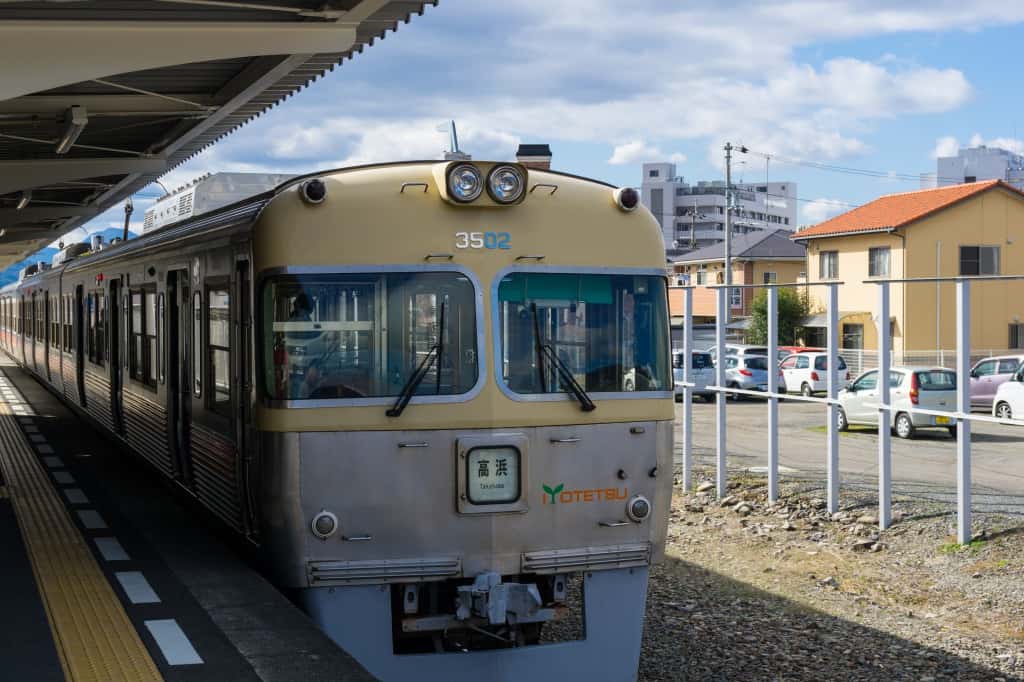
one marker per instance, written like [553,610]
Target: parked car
[930,388]
[750,373]
[1009,400]
[702,373]
[739,350]
[988,375]
[807,373]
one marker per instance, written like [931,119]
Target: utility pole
[694,215]
[728,232]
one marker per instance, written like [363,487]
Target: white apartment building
[693,216]
[974,164]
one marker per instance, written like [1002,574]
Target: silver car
[702,373]
[750,373]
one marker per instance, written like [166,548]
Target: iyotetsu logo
[560,494]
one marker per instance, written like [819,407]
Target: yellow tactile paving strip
[94,637]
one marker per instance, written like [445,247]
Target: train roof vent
[70,253]
[206,194]
[28,270]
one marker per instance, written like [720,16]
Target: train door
[243,370]
[46,333]
[114,364]
[179,391]
[79,351]
[32,326]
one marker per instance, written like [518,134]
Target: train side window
[149,313]
[218,336]
[142,331]
[197,345]
[136,368]
[101,329]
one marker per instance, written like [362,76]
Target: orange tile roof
[897,210]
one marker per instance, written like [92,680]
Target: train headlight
[638,508]
[465,183]
[506,184]
[324,524]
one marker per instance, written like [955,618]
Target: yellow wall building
[970,229]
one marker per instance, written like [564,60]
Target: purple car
[988,374]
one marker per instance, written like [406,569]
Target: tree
[793,307]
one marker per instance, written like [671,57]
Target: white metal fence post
[963,406]
[884,413]
[832,385]
[687,390]
[722,301]
[773,388]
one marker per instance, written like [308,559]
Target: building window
[828,265]
[218,336]
[970,178]
[735,297]
[652,174]
[1016,335]
[979,260]
[878,261]
[771,277]
[702,273]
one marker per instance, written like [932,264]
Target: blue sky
[856,83]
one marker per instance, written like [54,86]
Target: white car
[806,373]
[1009,400]
[738,350]
[930,388]
[702,373]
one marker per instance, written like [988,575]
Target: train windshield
[343,336]
[611,331]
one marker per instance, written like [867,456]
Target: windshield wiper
[566,379]
[433,358]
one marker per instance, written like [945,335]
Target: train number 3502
[483,240]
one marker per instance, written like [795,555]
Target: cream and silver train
[436,395]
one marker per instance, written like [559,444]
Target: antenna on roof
[453,153]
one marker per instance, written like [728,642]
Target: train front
[464,416]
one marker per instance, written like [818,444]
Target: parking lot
[924,466]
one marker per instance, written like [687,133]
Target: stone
[705,486]
[817,503]
[830,581]
[863,545]
[743,509]
[728,501]
[868,520]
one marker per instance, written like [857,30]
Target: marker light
[313,191]
[627,198]
[505,184]
[638,508]
[465,183]
[324,524]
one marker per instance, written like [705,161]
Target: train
[436,397]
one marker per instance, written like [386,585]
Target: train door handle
[356,538]
[572,439]
[612,524]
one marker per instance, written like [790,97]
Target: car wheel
[1003,411]
[734,396]
[952,431]
[806,391]
[904,426]
[841,422]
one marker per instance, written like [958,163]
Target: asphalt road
[924,467]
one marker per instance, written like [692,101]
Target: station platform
[107,574]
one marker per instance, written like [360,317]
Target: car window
[986,368]
[1008,366]
[789,363]
[867,382]
[803,362]
[731,362]
[895,379]
[757,362]
[702,360]
[756,350]
[821,362]
[936,380]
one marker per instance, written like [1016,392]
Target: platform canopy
[98,98]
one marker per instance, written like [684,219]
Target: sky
[866,84]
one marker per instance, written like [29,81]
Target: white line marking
[75,496]
[172,642]
[45,449]
[136,587]
[111,549]
[63,477]
[91,519]
[53,462]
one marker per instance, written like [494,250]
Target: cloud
[638,151]
[946,146]
[818,210]
[1008,143]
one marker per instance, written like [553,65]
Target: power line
[849,170]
